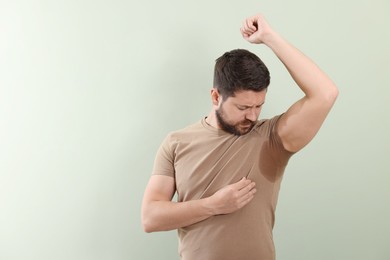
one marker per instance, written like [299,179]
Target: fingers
[246,197]
[249,189]
[247,29]
[244,186]
[234,196]
[249,26]
[241,184]
[243,33]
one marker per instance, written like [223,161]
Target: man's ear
[216,97]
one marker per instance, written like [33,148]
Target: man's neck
[211,120]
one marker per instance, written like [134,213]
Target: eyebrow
[245,106]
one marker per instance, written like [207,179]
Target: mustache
[247,122]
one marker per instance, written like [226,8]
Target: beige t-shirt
[203,159]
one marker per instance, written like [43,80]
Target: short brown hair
[240,70]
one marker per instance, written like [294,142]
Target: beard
[240,128]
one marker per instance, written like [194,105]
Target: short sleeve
[165,157]
[276,149]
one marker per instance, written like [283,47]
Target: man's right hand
[232,197]
[160,213]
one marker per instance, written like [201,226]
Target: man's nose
[251,115]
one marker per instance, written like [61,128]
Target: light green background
[88,90]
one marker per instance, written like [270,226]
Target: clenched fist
[255,29]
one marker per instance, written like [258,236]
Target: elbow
[148,228]
[333,93]
[328,96]
[149,224]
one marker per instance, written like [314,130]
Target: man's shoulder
[267,125]
[189,130]
[266,121]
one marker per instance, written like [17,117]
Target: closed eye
[242,108]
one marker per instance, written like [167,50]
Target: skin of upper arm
[159,188]
[298,126]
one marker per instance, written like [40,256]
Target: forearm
[159,213]
[303,119]
[168,215]
[308,76]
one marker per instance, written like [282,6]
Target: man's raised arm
[303,119]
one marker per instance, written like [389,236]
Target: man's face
[237,115]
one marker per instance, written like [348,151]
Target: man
[215,164]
